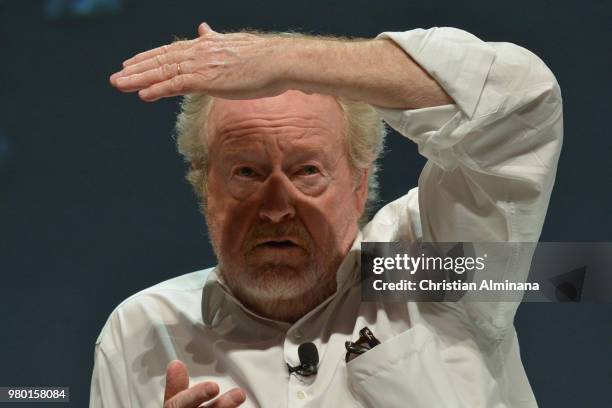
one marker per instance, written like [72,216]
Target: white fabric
[491,168]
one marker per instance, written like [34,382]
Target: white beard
[282,292]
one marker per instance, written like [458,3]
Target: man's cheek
[226,225]
[237,222]
[318,217]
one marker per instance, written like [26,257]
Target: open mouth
[277,244]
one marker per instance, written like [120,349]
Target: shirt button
[298,334]
[301,395]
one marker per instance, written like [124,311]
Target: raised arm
[245,66]
[492,155]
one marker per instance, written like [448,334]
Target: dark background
[93,205]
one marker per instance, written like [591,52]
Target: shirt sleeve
[108,381]
[492,155]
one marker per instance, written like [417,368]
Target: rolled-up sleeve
[492,155]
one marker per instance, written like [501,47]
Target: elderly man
[282,133]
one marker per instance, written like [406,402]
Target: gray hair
[365,135]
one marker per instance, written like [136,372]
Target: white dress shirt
[491,166]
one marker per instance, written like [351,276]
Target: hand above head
[178,394]
[248,66]
[231,66]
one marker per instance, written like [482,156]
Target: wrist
[277,62]
[355,69]
[314,65]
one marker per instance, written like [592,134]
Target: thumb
[204,29]
[177,379]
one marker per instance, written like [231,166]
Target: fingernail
[237,396]
[211,389]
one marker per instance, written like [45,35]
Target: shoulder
[398,220]
[157,304]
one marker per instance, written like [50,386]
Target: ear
[361,191]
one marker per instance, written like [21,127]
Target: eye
[309,170]
[245,172]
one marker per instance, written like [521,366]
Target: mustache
[293,231]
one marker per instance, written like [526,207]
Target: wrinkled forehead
[292,109]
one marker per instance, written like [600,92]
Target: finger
[194,396]
[204,29]
[177,379]
[178,85]
[231,399]
[146,79]
[176,46]
[152,63]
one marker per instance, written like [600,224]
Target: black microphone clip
[309,360]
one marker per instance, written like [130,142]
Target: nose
[277,200]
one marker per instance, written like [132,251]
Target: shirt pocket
[404,371]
